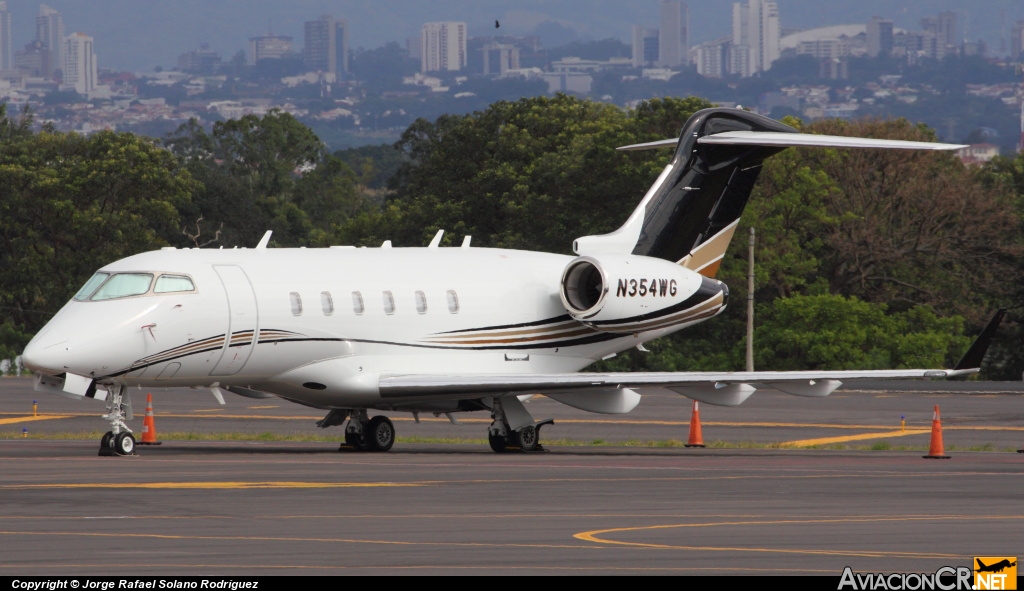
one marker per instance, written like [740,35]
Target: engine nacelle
[630,293]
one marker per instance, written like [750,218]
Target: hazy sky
[141,34]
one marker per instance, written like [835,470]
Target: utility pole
[750,304]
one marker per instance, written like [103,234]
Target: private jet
[436,329]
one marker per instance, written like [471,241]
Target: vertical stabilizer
[690,213]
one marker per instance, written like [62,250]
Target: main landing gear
[513,428]
[363,433]
[119,441]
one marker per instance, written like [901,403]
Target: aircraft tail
[691,212]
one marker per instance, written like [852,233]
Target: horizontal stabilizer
[770,138]
[649,145]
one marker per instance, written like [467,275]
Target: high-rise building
[712,58]
[943,29]
[645,46]
[269,46]
[879,36]
[673,41]
[755,26]
[1017,40]
[50,32]
[203,61]
[80,63]
[443,47]
[6,43]
[326,48]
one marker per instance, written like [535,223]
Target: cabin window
[421,302]
[453,301]
[173,283]
[90,286]
[389,303]
[296,303]
[327,303]
[357,302]
[124,285]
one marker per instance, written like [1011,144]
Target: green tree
[250,169]
[70,204]
[533,173]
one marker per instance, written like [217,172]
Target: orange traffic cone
[148,426]
[935,450]
[696,437]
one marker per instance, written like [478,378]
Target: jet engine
[630,293]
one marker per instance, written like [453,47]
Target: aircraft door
[243,320]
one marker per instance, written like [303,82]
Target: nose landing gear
[119,441]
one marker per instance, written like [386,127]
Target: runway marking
[300,539]
[259,407]
[31,418]
[436,567]
[242,485]
[861,437]
[210,485]
[593,536]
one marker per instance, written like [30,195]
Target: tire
[380,434]
[528,438]
[498,443]
[107,441]
[124,444]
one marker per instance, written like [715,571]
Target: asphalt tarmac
[274,508]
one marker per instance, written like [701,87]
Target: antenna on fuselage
[437,239]
[264,241]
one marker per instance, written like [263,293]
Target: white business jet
[439,330]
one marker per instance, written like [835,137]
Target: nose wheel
[119,441]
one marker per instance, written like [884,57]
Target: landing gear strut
[119,441]
[503,436]
[363,433]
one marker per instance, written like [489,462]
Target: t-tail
[690,213]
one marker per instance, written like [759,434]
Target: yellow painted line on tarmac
[596,536]
[844,439]
[31,418]
[259,407]
[211,485]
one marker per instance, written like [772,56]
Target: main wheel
[124,444]
[528,439]
[380,434]
[498,443]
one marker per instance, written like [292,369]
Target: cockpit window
[90,286]
[124,285]
[172,283]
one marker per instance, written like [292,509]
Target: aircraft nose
[49,352]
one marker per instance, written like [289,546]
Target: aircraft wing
[615,393]
[426,384]
[620,392]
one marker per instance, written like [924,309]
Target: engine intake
[629,293]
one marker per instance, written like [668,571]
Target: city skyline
[132,38]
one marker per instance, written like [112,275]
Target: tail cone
[148,426]
[935,450]
[696,437]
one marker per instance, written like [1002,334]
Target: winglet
[264,241]
[973,357]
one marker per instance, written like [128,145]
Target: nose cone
[49,352]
